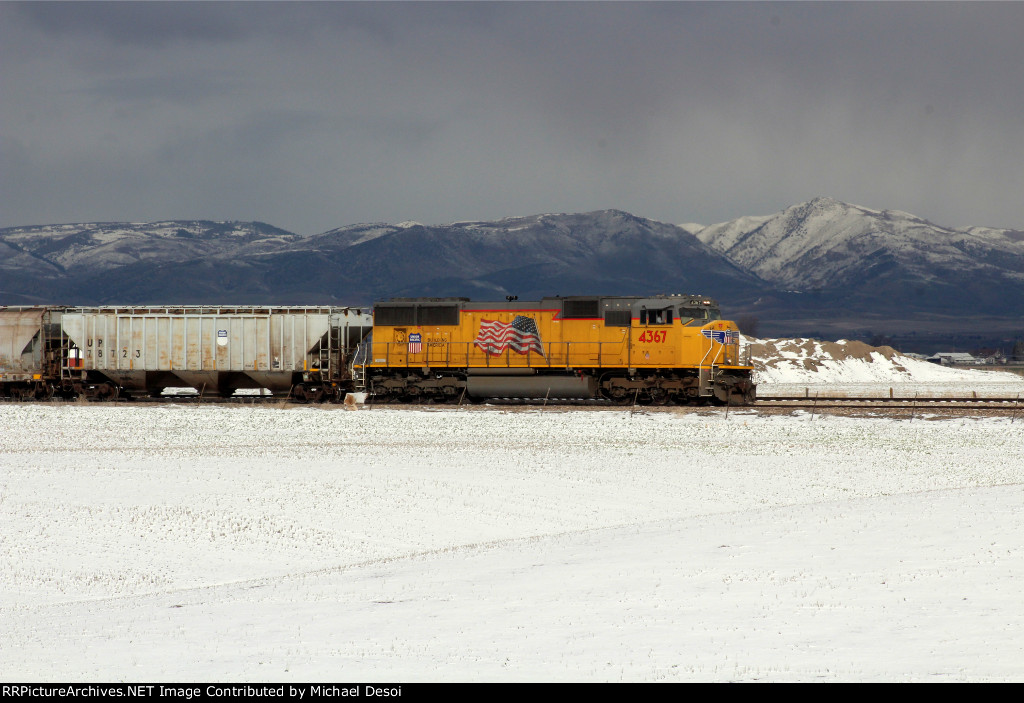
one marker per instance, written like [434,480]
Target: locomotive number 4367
[653,336]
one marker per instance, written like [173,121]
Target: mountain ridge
[819,265]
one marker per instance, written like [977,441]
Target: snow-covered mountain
[110,245]
[605,252]
[863,256]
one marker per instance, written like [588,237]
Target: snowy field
[255,543]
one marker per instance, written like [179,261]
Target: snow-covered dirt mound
[815,362]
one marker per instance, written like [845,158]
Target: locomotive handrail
[575,354]
[567,354]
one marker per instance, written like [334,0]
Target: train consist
[653,350]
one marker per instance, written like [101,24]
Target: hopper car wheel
[307,394]
[105,391]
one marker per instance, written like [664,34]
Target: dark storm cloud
[313,115]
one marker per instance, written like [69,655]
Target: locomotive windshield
[700,315]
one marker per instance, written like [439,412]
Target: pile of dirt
[810,354]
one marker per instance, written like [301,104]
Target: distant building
[954,359]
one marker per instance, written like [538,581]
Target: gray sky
[310,116]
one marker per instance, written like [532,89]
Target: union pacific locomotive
[652,350]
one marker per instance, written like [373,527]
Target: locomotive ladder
[706,375]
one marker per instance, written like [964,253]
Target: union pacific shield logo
[721,336]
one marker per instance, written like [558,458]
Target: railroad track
[881,401]
[766,402]
[897,407]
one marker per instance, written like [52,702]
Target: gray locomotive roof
[555,303]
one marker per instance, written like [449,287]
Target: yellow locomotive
[649,350]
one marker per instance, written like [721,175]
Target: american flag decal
[722,336]
[521,336]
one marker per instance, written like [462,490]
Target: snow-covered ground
[336,543]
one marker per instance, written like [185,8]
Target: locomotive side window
[656,317]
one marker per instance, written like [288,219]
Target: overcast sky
[310,116]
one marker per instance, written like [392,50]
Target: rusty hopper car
[655,350]
[107,352]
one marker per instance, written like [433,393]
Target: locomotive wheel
[381,398]
[659,396]
[623,398]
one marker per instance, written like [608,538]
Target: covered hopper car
[109,352]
